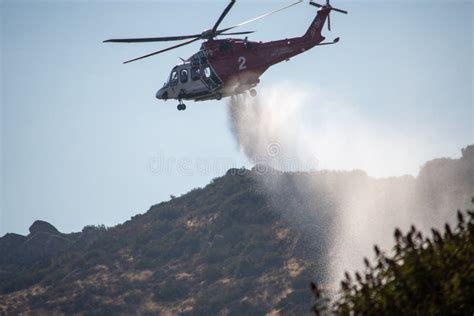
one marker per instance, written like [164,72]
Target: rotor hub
[208,34]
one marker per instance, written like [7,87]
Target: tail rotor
[328,6]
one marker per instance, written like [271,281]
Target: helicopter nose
[162,94]
[158,94]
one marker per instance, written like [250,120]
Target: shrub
[426,276]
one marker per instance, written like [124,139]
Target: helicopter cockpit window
[174,78]
[183,75]
[195,73]
[207,72]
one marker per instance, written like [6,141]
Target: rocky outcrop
[43,227]
[43,241]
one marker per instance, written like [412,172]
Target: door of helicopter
[188,81]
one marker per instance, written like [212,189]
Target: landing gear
[253,93]
[181,106]
[218,96]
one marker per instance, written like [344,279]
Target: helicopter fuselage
[229,67]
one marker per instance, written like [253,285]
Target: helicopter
[231,66]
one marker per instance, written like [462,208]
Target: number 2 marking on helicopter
[242,62]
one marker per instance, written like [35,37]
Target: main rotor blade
[328,6]
[316,4]
[161,51]
[259,17]
[339,10]
[223,14]
[150,39]
[237,33]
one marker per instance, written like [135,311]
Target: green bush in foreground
[425,276]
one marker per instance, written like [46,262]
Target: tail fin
[314,30]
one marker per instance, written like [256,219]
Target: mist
[306,125]
[294,128]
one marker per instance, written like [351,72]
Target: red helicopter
[227,67]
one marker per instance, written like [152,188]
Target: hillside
[248,243]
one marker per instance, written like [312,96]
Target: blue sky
[83,141]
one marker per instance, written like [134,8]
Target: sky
[83,140]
